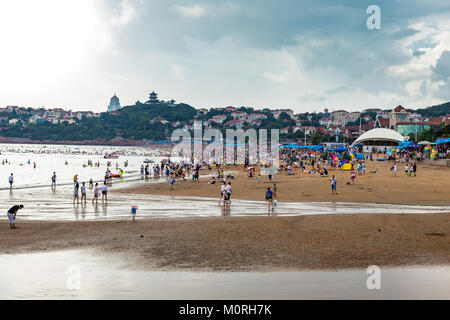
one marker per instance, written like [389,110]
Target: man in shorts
[12,215]
[269,199]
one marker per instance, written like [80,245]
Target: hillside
[132,122]
[435,111]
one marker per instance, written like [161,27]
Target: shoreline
[302,243]
[97,142]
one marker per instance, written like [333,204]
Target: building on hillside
[416,128]
[114,104]
[257,116]
[153,98]
[339,117]
[382,123]
[239,114]
[219,118]
[159,119]
[276,113]
[325,121]
[398,114]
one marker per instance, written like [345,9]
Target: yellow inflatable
[346,167]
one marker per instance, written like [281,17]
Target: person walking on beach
[83,192]
[269,199]
[54,181]
[76,193]
[333,185]
[353,177]
[394,169]
[12,216]
[414,169]
[91,184]
[11,181]
[104,193]
[228,191]
[96,194]
[133,213]
[222,192]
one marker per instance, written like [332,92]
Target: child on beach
[133,213]
[353,177]
[333,185]
[172,182]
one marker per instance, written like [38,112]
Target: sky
[306,55]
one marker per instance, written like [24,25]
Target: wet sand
[247,243]
[430,187]
[83,274]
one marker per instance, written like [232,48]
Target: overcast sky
[301,54]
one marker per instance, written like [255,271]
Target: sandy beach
[248,244]
[262,243]
[431,186]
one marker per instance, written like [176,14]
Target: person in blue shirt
[269,199]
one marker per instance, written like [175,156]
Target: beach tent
[414,145]
[341,149]
[442,141]
[346,167]
[360,156]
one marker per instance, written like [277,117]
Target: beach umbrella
[424,143]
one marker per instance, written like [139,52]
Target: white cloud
[195,10]
[127,13]
[177,71]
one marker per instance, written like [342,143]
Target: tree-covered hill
[132,122]
[435,111]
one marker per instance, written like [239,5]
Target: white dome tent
[379,138]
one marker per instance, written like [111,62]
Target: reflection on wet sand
[102,277]
[46,204]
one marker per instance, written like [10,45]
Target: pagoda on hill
[153,98]
[114,104]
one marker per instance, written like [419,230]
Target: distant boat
[149,161]
[110,156]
